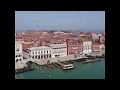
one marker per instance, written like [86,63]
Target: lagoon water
[95,70]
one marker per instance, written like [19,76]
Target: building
[59,48]
[73,46]
[42,52]
[87,46]
[95,47]
[102,47]
[102,39]
[18,51]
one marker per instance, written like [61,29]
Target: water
[94,70]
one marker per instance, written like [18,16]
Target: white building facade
[102,47]
[87,47]
[18,51]
[42,52]
[59,49]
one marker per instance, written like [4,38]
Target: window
[35,57]
[41,56]
[41,52]
[47,51]
[38,57]
[36,52]
[17,49]
[55,55]
[16,60]
[19,55]
[33,53]
[44,51]
[32,57]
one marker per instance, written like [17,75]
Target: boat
[87,61]
[66,67]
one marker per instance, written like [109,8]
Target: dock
[90,61]
[60,64]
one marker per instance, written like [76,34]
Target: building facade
[59,48]
[95,47]
[18,51]
[73,46]
[102,47]
[87,46]
[42,52]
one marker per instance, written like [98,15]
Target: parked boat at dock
[67,67]
[90,61]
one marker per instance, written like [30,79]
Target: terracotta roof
[95,43]
[85,40]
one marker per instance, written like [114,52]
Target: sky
[60,20]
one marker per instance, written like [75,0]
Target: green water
[94,70]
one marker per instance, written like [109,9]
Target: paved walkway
[19,65]
[45,61]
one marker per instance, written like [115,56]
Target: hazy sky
[59,20]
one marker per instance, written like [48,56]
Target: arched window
[35,57]
[16,60]
[41,56]
[50,55]
[32,57]
[17,49]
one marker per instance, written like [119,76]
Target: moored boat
[66,67]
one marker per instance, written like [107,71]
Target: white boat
[69,66]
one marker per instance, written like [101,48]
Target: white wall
[62,52]
[18,45]
[88,44]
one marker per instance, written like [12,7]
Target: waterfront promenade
[50,60]
[20,65]
[94,70]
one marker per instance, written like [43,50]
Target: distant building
[18,51]
[59,48]
[73,46]
[42,52]
[102,47]
[86,46]
[95,47]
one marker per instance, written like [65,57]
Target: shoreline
[79,72]
[52,60]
